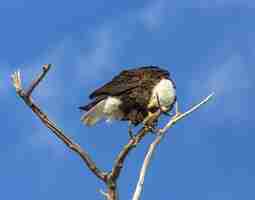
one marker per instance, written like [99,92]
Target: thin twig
[39,78]
[26,96]
[153,145]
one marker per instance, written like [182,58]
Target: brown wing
[130,79]
[125,81]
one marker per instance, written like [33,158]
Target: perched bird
[131,96]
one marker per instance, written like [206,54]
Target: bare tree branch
[154,144]
[110,179]
[26,96]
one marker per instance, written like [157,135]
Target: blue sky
[206,45]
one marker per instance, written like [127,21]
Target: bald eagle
[131,96]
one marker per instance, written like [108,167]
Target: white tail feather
[94,115]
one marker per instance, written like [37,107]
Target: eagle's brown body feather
[134,89]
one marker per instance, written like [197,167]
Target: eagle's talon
[152,128]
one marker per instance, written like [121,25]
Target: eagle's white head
[163,93]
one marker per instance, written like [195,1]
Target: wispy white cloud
[156,13]
[60,55]
[153,15]
[98,59]
[229,78]
[231,82]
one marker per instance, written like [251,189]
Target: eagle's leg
[151,126]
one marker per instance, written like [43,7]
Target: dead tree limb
[161,133]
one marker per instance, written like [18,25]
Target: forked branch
[133,142]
